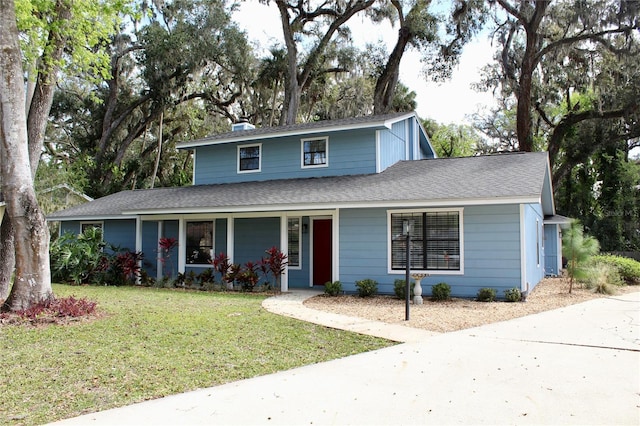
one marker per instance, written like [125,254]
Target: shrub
[400,289]
[367,287]
[441,291]
[486,294]
[602,278]
[513,295]
[333,288]
[66,307]
[77,259]
[629,269]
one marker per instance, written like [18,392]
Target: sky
[450,102]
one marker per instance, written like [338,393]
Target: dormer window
[315,152]
[249,158]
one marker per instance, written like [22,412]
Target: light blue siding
[350,152]
[363,248]
[118,232]
[150,239]
[254,236]
[491,250]
[70,227]
[534,251]
[220,243]
[393,145]
[551,250]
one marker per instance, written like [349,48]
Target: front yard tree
[32,280]
[56,38]
[567,34]
[419,28]
[313,24]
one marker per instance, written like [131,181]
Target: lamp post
[406,228]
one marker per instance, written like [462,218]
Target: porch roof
[491,179]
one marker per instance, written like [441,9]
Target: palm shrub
[333,288]
[577,249]
[367,287]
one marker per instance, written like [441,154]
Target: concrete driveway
[576,365]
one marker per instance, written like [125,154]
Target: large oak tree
[32,279]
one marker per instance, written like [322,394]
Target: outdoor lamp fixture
[407,226]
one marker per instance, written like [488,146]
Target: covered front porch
[309,239]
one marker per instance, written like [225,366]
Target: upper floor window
[249,158]
[436,240]
[315,152]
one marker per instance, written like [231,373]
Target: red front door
[322,265]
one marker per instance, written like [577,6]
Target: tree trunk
[32,282]
[38,115]
[388,80]
[157,163]
[8,256]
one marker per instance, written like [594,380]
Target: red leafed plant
[166,244]
[54,310]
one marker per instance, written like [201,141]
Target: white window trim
[299,218]
[259,169]
[326,145]
[460,211]
[93,222]
[213,243]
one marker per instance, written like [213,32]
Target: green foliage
[513,295]
[400,289]
[85,26]
[486,294]
[577,249]
[333,288]
[602,278]
[628,269]
[77,258]
[367,287]
[441,291]
[455,140]
[86,259]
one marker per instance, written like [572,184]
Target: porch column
[230,238]
[284,248]
[159,264]
[138,243]
[182,246]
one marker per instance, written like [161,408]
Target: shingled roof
[369,121]
[491,179]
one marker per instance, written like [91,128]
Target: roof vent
[244,125]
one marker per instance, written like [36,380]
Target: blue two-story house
[334,196]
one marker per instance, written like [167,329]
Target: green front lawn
[150,343]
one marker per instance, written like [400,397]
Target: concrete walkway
[575,365]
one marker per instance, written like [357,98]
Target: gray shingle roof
[298,129]
[486,179]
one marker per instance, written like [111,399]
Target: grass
[148,343]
